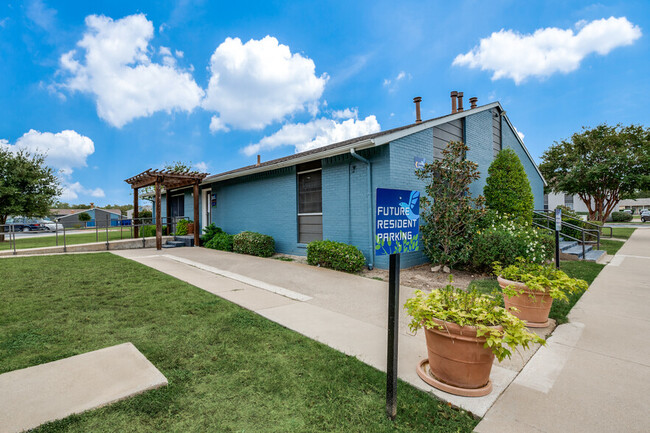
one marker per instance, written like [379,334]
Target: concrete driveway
[346,312]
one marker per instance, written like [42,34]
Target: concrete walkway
[343,311]
[35,395]
[594,374]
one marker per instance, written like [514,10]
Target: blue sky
[110,88]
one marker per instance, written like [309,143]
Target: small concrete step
[577,250]
[565,245]
[594,255]
[187,240]
[176,243]
[169,246]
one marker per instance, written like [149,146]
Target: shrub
[449,213]
[620,217]
[335,255]
[255,244]
[503,240]
[181,227]
[150,231]
[220,241]
[209,232]
[507,188]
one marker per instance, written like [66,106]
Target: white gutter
[371,246]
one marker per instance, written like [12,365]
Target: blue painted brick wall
[264,203]
[478,137]
[536,182]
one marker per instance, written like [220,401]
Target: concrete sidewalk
[594,374]
[343,311]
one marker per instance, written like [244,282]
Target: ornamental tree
[449,213]
[507,188]
[601,165]
[27,187]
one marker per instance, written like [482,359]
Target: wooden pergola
[169,180]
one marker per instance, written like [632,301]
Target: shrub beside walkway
[594,373]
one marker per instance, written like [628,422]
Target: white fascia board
[514,131]
[295,161]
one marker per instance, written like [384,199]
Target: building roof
[363,142]
[68,212]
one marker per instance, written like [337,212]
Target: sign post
[397,231]
[558,228]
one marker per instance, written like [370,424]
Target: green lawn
[80,238]
[622,232]
[610,246]
[229,370]
[587,271]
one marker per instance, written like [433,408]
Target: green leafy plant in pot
[464,332]
[529,289]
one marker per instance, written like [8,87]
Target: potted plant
[529,289]
[190,227]
[464,332]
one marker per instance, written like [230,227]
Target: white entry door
[206,217]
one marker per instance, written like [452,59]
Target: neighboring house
[98,217]
[634,204]
[129,213]
[329,192]
[553,200]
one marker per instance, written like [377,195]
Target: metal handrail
[583,231]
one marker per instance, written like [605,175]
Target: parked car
[22,224]
[628,211]
[51,225]
[645,216]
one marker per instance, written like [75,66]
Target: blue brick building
[329,192]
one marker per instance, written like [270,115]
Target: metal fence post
[107,224]
[142,231]
[121,227]
[13,230]
[96,228]
[56,231]
[65,247]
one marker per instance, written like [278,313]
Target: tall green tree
[27,186]
[601,165]
[449,213]
[507,188]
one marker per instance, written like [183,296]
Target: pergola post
[158,216]
[135,213]
[196,214]
[168,206]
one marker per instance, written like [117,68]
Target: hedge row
[335,255]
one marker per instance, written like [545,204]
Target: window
[310,205]
[568,201]
[545,201]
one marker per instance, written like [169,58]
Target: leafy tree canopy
[601,165]
[27,186]
[507,188]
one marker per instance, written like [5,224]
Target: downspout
[371,246]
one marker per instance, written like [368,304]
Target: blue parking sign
[397,221]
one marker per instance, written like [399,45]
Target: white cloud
[391,84]
[117,70]
[258,83]
[71,191]
[549,50]
[316,133]
[64,151]
[201,166]
[520,134]
[348,113]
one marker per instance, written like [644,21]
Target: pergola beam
[169,180]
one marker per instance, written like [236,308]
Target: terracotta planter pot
[458,362]
[190,229]
[533,305]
